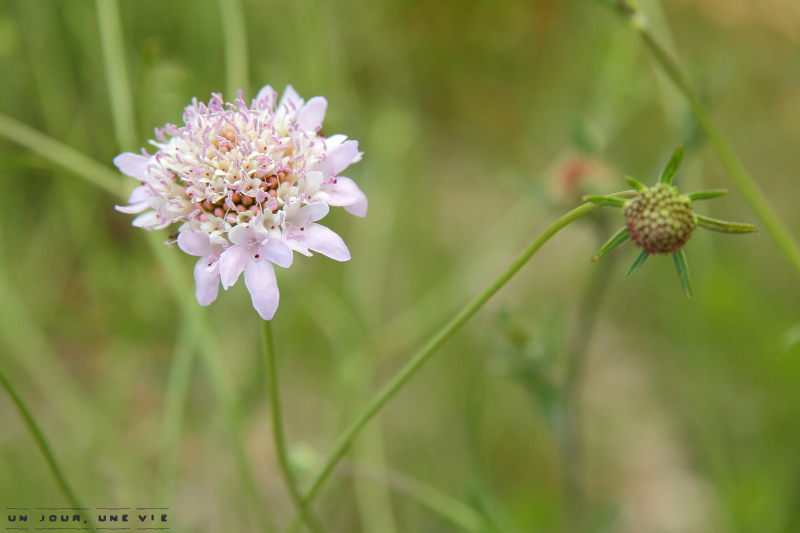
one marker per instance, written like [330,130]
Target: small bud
[659,219]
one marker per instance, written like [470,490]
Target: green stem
[113,49]
[384,395]
[747,186]
[277,429]
[569,430]
[44,447]
[235,37]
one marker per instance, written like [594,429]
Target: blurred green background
[481,122]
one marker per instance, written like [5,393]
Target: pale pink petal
[206,279]
[194,243]
[242,234]
[359,208]
[134,208]
[297,246]
[132,165]
[335,140]
[232,263]
[312,212]
[147,220]
[266,97]
[140,194]
[312,114]
[322,240]
[339,159]
[290,97]
[259,277]
[277,251]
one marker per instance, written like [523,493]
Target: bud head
[659,219]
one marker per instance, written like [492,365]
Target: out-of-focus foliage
[481,121]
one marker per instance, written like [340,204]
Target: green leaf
[705,195]
[605,200]
[620,237]
[638,262]
[673,165]
[724,227]
[683,271]
[636,184]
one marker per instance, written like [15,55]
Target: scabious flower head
[661,220]
[248,186]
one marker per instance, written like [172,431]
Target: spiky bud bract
[661,220]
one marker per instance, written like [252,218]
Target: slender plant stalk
[747,186]
[113,49]
[277,429]
[235,38]
[409,369]
[568,432]
[44,447]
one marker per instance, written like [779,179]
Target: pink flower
[248,185]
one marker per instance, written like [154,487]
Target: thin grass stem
[44,447]
[234,34]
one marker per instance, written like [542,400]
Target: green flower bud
[659,219]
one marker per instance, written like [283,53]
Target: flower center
[659,220]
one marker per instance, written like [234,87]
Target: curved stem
[747,186]
[44,447]
[277,430]
[385,394]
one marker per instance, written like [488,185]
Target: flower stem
[747,186]
[277,430]
[385,394]
[44,447]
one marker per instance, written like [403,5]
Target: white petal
[206,279]
[232,263]
[312,114]
[278,252]
[339,159]
[194,242]
[242,234]
[348,187]
[291,97]
[322,240]
[132,165]
[259,277]
[146,220]
[312,212]
[335,140]
[135,208]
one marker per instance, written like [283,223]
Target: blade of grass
[177,386]
[235,38]
[44,447]
[112,47]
